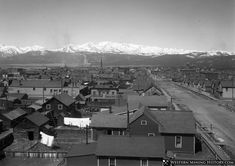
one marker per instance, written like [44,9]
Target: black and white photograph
[117,82]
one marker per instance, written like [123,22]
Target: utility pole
[128,120]
[232,86]
[86,134]
[43,94]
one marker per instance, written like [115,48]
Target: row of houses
[223,89]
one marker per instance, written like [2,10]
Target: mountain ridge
[109,47]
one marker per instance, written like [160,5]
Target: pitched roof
[152,85]
[130,146]
[37,83]
[135,101]
[17,95]
[228,84]
[65,99]
[37,118]
[35,106]
[175,122]
[16,113]
[101,120]
[82,149]
[179,122]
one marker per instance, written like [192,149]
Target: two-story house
[58,107]
[104,94]
[177,127]
[43,87]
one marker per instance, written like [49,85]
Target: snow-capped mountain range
[109,47]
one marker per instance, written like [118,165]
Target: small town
[110,115]
[117,83]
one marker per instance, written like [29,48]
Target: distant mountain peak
[110,47]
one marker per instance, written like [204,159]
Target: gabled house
[119,150]
[227,89]
[59,106]
[12,118]
[152,90]
[107,124]
[177,127]
[13,100]
[104,94]
[31,126]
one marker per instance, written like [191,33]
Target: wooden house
[59,106]
[12,118]
[31,126]
[119,150]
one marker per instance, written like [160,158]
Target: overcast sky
[188,24]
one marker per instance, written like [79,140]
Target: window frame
[151,135]
[48,106]
[60,106]
[181,141]
[114,161]
[143,124]
[121,132]
[141,162]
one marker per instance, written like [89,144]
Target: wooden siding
[137,129]
[187,143]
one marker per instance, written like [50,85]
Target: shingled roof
[64,99]
[134,101]
[37,83]
[37,118]
[130,146]
[228,84]
[14,114]
[174,122]
[101,120]
[178,122]
[82,149]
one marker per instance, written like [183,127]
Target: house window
[48,106]
[51,90]
[110,132]
[60,106]
[121,133]
[113,93]
[178,141]
[143,122]
[94,93]
[31,135]
[144,162]
[18,91]
[34,88]
[151,134]
[112,162]
[44,89]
